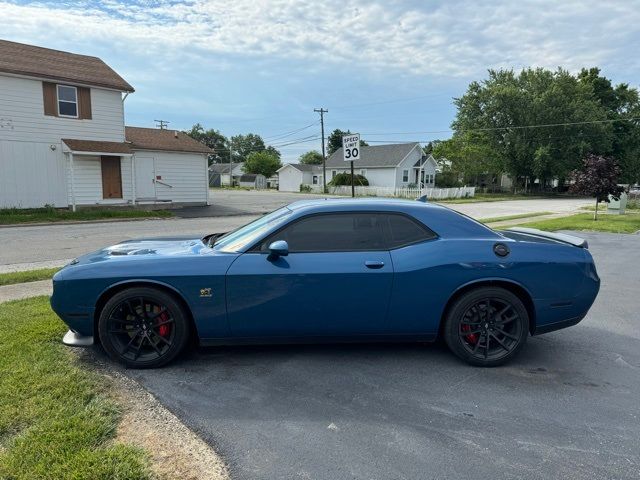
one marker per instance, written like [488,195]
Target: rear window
[403,230]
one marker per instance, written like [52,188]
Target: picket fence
[412,193]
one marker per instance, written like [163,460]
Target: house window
[67,101]
[315,179]
[405,176]
[333,173]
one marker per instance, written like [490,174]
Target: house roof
[97,147]
[223,167]
[424,159]
[303,167]
[250,177]
[29,60]
[169,140]
[374,156]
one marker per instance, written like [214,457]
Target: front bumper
[74,339]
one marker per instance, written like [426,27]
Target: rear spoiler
[559,237]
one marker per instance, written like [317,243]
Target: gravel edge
[175,451]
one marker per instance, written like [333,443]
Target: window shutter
[50,99]
[84,103]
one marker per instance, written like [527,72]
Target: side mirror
[279,248]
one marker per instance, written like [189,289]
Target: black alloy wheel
[143,327]
[487,326]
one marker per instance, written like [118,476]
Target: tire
[486,326]
[143,327]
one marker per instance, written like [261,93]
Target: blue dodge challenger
[325,271]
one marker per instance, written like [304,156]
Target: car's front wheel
[486,326]
[143,327]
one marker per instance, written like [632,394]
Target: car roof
[330,203]
[442,220]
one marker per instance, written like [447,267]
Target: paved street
[567,407]
[31,245]
[257,201]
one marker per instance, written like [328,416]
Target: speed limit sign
[351,147]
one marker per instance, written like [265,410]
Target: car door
[335,281]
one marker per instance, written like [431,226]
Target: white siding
[87,180]
[22,115]
[187,173]
[407,164]
[33,168]
[31,175]
[289,179]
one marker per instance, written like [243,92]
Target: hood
[145,248]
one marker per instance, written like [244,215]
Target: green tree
[467,155]
[312,157]
[428,148]
[263,162]
[243,145]
[498,114]
[622,103]
[334,141]
[212,139]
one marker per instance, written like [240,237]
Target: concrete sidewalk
[20,291]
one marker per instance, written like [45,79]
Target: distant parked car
[330,270]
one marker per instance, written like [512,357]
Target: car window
[403,230]
[238,239]
[332,233]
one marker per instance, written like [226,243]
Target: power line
[513,127]
[287,134]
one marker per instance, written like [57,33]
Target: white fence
[412,193]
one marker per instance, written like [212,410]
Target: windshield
[242,237]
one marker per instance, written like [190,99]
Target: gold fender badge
[205,292]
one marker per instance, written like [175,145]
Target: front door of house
[145,177]
[111,177]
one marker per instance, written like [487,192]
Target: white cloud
[452,38]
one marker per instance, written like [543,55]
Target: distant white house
[63,140]
[219,174]
[292,175]
[396,166]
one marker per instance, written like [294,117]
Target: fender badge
[205,292]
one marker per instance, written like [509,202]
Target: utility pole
[230,164]
[322,111]
[161,124]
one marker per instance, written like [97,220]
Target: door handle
[375,264]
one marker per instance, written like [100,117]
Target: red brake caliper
[472,337]
[165,329]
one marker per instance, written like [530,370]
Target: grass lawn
[513,217]
[9,216]
[490,197]
[56,418]
[11,278]
[629,223]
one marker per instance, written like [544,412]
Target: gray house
[396,165]
[219,174]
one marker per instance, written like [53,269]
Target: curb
[80,222]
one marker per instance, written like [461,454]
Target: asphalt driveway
[568,407]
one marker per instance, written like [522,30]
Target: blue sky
[388,69]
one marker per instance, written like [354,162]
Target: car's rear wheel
[486,326]
[143,327]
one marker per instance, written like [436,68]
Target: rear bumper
[74,339]
[550,327]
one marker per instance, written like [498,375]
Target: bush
[447,180]
[345,179]
[305,188]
